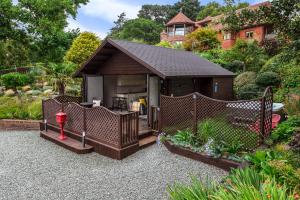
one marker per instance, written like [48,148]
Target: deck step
[69,143]
[145,133]
[145,142]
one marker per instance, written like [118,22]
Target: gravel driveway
[33,168]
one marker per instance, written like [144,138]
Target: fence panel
[50,108]
[75,117]
[246,121]
[176,113]
[66,99]
[103,125]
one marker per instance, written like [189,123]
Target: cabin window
[170,31]
[249,34]
[179,29]
[227,36]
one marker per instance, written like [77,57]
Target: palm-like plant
[59,74]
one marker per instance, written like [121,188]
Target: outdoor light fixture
[216,87]
[83,139]
[45,125]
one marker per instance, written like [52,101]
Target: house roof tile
[180,18]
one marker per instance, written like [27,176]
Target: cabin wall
[223,88]
[204,85]
[120,64]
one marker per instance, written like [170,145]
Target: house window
[227,36]
[179,29]
[249,34]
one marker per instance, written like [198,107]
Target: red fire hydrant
[61,119]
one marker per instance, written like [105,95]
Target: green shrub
[201,39]
[266,79]
[274,64]
[165,44]
[24,108]
[291,76]
[285,129]
[249,91]
[244,78]
[235,66]
[241,184]
[35,109]
[250,53]
[15,79]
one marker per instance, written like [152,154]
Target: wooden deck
[69,143]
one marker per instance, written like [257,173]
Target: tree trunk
[61,87]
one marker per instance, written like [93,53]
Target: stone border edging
[16,124]
[218,162]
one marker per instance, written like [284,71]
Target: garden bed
[15,124]
[218,162]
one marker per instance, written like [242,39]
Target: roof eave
[78,71]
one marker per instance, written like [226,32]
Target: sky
[98,15]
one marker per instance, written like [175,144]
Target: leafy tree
[158,13]
[39,25]
[115,31]
[141,29]
[190,8]
[284,15]
[82,48]
[13,53]
[202,39]
[211,9]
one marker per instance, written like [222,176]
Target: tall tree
[39,25]
[116,29]
[211,9]
[141,29]
[190,8]
[158,13]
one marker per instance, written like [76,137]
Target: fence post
[84,127]
[195,114]
[120,131]
[262,116]
[158,119]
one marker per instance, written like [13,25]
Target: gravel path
[33,168]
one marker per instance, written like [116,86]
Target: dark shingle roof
[166,62]
[172,62]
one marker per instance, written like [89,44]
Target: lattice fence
[75,117]
[247,121]
[99,123]
[50,108]
[103,125]
[66,99]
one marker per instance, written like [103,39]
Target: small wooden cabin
[133,71]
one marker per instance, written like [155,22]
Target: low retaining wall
[13,124]
[218,162]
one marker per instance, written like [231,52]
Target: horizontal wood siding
[121,64]
[225,90]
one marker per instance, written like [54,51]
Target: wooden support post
[262,116]
[148,99]
[195,114]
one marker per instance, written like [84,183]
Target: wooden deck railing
[98,123]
